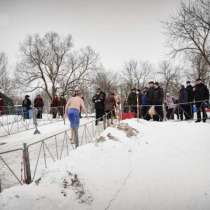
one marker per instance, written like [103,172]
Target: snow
[165,166]
[57,149]
[12,124]
[17,140]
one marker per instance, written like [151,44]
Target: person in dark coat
[26,104]
[158,96]
[62,105]
[150,97]
[201,96]
[110,105]
[55,106]
[98,100]
[39,104]
[139,102]
[183,99]
[134,100]
[190,98]
[144,104]
[1,106]
[150,93]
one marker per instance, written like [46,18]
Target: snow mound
[136,165]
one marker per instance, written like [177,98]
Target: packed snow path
[166,166]
[13,142]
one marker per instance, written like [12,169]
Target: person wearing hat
[144,104]
[110,106]
[134,100]
[170,106]
[1,106]
[62,105]
[190,96]
[39,104]
[150,97]
[26,105]
[183,103]
[201,97]
[99,102]
[73,108]
[158,102]
[55,104]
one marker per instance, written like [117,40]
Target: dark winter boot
[198,120]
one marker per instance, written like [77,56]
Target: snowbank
[162,166]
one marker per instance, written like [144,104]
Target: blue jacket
[144,100]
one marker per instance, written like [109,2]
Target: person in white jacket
[170,106]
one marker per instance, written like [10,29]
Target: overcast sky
[118,29]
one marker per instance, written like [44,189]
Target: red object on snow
[127,115]
[208,110]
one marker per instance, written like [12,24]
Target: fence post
[104,121]
[138,112]
[164,112]
[35,112]
[26,164]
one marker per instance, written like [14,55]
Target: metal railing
[26,166]
[15,119]
[27,162]
[11,168]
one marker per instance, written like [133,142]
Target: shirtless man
[73,107]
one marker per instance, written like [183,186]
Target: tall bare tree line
[6,83]
[188,32]
[49,64]
[52,65]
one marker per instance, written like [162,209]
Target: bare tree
[5,81]
[136,74]
[49,64]
[170,77]
[188,31]
[199,69]
[106,80]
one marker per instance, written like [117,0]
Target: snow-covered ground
[164,167]
[12,124]
[56,147]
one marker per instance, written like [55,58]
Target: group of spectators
[148,103]
[140,102]
[183,105]
[56,108]
[105,105]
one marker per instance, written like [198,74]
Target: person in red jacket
[110,105]
[39,104]
[55,106]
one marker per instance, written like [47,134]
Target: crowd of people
[57,106]
[148,103]
[151,102]
[106,105]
